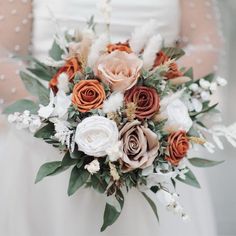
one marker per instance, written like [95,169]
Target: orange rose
[124,47]
[88,95]
[71,67]
[173,71]
[178,145]
[146,99]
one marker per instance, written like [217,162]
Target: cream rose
[120,70]
[177,116]
[140,146]
[95,134]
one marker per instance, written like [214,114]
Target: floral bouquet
[123,115]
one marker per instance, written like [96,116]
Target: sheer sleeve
[200,36]
[15,34]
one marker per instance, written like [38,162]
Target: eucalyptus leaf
[173,53]
[41,74]
[152,205]
[59,170]
[47,169]
[46,132]
[210,77]
[35,87]
[21,106]
[78,178]
[68,161]
[190,179]
[98,184]
[189,73]
[110,213]
[198,162]
[55,51]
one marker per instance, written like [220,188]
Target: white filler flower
[95,134]
[93,167]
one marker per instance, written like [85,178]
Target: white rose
[93,167]
[178,117]
[95,134]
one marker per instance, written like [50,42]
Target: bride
[45,209]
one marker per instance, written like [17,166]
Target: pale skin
[198,30]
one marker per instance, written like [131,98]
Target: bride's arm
[200,36]
[15,35]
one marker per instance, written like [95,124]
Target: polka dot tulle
[15,31]
[200,36]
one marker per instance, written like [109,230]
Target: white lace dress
[44,209]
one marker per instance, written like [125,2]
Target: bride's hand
[15,30]
[201,36]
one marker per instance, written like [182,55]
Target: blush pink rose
[119,69]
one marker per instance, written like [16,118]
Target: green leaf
[41,74]
[152,205]
[20,106]
[173,53]
[110,216]
[59,170]
[47,169]
[68,161]
[190,179]
[110,213]
[56,52]
[210,77]
[189,73]
[204,110]
[98,184]
[35,87]
[78,178]
[45,132]
[198,162]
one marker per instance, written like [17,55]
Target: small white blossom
[197,105]
[221,81]
[204,84]
[213,86]
[113,103]
[194,87]
[185,217]
[205,96]
[13,117]
[170,202]
[25,121]
[114,152]
[93,167]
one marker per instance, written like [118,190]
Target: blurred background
[222,178]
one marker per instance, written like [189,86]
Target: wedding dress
[44,209]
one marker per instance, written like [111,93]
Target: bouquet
[124,115]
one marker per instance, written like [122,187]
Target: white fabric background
[222,178]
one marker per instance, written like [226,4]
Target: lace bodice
[191,22]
